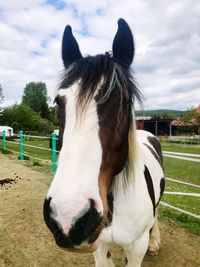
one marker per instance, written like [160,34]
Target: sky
[166,33]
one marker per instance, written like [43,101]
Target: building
[156,126]
[8,131]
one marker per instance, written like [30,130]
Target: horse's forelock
[99,76]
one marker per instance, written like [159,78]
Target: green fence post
[4,141]
[53,150]
[21,144]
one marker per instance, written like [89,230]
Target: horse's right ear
[123,44]
[70,48]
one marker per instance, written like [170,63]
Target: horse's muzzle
[84,228]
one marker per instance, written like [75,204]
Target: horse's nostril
[92,202]
[85,225]
[61,239]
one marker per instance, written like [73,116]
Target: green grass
[36,153]
[183,148]
[186,171]
[188,203]
[183,220]
[176,187]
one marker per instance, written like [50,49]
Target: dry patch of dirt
[25,240]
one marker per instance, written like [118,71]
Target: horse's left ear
[70,48]
[123,44]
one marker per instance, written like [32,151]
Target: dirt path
[25,240]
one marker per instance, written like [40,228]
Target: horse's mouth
[87,246]
[83,248]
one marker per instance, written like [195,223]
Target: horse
[109,177]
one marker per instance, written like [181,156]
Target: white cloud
[167,60]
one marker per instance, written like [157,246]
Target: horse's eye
[60,101]
[56,100]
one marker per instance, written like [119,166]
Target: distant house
[156,126]
[8,131]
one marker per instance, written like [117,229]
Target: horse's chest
[132,215]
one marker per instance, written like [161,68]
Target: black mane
[101,69]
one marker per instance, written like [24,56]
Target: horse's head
[95,112]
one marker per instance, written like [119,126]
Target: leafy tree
[21,117]
[190,121]
[160,113]
[35,96]
[1,94]
[191,116]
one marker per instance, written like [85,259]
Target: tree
[1,95]
[21,117]
[191,116]
[191,119]
[35,96]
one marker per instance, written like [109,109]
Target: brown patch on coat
[61,102]
[114,127]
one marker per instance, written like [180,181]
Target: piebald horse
[109,177]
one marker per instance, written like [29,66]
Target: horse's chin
[84,247]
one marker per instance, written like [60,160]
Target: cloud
[166,33]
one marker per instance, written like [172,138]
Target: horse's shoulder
[143,136]
[150,147]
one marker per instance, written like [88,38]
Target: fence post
[21,144]
[4,141]
[53,150]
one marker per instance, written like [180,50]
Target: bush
[22,117]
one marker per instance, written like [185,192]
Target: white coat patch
[76,178]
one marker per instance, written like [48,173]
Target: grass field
[35,156]
[184,148]
[174,168]
[186,171]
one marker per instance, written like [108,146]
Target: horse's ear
[123,44]
[70,48]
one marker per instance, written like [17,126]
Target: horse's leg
[102,256]
[154,242]
[136,251]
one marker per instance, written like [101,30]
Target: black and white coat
[134,224]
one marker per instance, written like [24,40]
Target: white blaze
[76,179]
